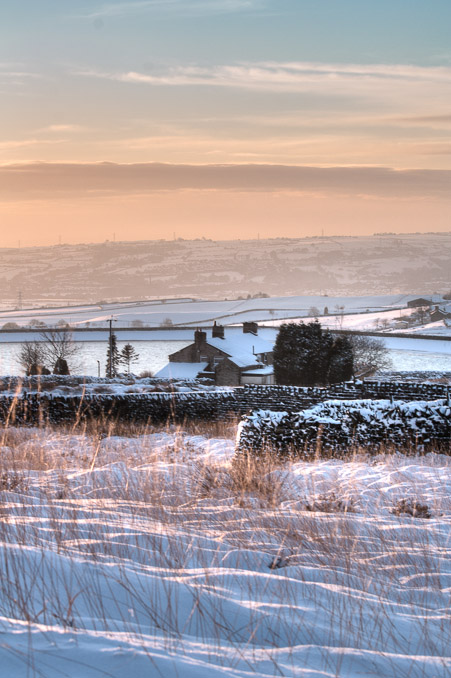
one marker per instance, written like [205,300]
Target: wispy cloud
[27,143]
[16,74]
[428,120]
[63,128]
[396,83]
[179,7]
[50,181]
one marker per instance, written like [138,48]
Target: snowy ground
[378,321]
[153,556]
[201,312]
[154,348]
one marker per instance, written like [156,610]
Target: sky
[223,118]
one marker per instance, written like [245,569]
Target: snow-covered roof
[244,360]
[181,370]
[264,371]
[241,344]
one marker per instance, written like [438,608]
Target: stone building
[229,361]
[440,312]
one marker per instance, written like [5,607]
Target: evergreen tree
[341,366]
[305,355]
[112,358]
[61,367]
[128,356]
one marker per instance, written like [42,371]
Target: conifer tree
[112,358]
[307,355]
[128,356]
[341,366]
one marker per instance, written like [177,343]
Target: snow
[348,424]
[181,370]
[235,345]
[143,557]
[245,360]
[154,347]
[203,312]
[439,328]
[266,370]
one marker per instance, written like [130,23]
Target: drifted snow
[138,557]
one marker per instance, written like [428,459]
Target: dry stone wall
[35,408]
[346,426]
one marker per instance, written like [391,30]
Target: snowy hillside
[380,264]
[360,312]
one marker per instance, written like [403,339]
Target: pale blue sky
[114,34]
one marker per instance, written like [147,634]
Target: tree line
[56,353]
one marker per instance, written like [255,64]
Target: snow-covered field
[153,555]
[154,347]
[189,312]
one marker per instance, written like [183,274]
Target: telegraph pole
[110,342]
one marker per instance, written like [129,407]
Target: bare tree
[340,311]
[370,355]
[167,322]
[32,358]
[58,345]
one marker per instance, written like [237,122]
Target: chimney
[250,328]
[218,331]
[199,338]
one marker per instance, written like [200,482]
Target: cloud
[27,143]
[179,7]
[443,120]
[291,77]
[50,181]
[16,74]
[63,128]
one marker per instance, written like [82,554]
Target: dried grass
[160,514]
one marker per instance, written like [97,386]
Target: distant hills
[89,273]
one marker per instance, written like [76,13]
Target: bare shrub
[331,503]
[102,388]
[411,507]
[261,477]
[115,538]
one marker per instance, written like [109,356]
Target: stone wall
[345,426]
[227,373]
[159,407]
[149,408]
